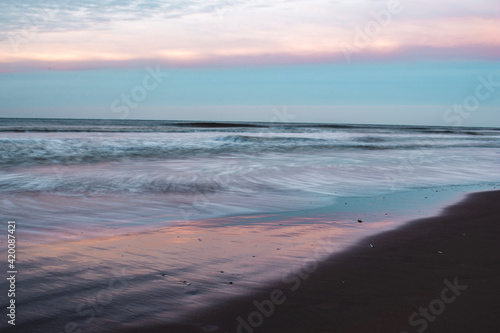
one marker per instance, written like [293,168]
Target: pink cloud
[400,53]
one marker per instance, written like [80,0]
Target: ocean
[213,185]
[65,174]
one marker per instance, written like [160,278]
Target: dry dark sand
[385,284]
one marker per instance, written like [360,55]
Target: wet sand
[438,274]
[221,275]
[140,277]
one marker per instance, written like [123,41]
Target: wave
[98,184]
[188,127]
[268,139]
[218,125]
[112,125]
[90,150]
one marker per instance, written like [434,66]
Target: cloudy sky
[416,62]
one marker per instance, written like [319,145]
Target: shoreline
[409,202]
[208,276]
[448,264]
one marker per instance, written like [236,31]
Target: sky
[342,61]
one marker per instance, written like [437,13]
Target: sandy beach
[437,274]
[312,271]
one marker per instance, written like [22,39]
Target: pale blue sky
[359,61]
[431,86]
